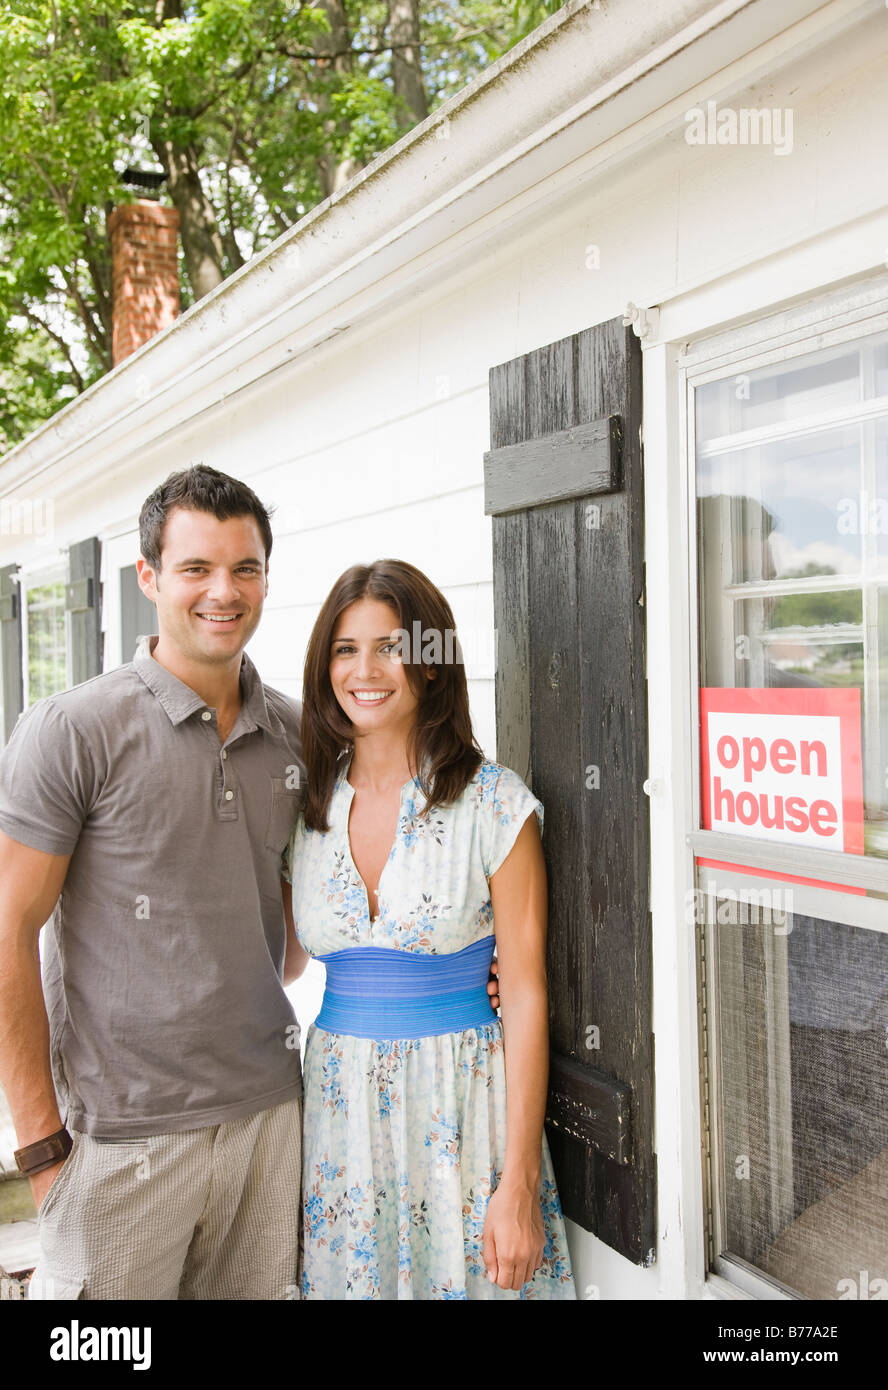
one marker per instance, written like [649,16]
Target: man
[146,811]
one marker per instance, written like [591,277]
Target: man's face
[211,584]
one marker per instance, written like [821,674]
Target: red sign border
[843,702]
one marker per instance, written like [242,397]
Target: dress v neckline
[349,792]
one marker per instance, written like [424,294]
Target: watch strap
[45,1153]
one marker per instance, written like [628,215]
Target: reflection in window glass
[787,391]
[792,524]
[807,639]
[47,661]
[792,504]
[792,509]
[803,1096]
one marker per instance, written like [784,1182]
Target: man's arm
[30,884]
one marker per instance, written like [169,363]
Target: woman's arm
[513,1227]
[296,957]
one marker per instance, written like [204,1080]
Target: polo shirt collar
[180,701]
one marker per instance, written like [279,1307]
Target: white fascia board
[586,77]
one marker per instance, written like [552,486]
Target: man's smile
[220,619]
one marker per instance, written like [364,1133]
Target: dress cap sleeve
[507,805]
[293,846]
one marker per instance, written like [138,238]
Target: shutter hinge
[79,596]
[645,322]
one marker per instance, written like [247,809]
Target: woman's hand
[513,1236]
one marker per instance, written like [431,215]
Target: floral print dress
[404,1140]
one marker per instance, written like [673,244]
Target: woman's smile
[370,697]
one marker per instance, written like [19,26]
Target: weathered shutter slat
[587,1107]
[11,672]
[581,460]
[84,606]
[572,710]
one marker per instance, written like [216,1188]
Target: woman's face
[367,675]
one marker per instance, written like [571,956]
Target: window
[792,600]
[45,634]
[792,489]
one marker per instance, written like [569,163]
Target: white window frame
[120,549]
[822,321]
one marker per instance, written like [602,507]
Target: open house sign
[784,765]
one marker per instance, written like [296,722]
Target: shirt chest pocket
[282,812]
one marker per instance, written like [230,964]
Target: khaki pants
[206,1213]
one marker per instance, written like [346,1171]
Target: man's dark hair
[199,489]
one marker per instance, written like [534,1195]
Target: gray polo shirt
[163,959]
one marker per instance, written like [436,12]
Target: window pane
[792,482]
[800,1014]
[47,662]
[801,639]
[793,504]
[792,509]
[792,390]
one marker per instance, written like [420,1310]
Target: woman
[425,1170]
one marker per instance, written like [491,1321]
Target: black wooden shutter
[563,483]
[11,676]
[83,602]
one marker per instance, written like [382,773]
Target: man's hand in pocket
[42,1182]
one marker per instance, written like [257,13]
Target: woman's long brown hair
[442,748]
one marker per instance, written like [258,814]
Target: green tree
[255,110]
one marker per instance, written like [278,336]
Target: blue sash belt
[376,992]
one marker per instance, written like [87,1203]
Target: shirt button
[224,755]
[229,796]
[206,714]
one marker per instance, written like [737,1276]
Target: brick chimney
[144,273]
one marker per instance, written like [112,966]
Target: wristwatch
[33,1158]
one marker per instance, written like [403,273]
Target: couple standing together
[173,818]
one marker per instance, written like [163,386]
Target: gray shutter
[83,602]
[12,691]
[571,697]
[138,614]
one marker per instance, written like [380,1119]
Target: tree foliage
[255,110]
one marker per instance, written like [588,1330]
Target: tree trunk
[198,228]
[406,62]
[334,173]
